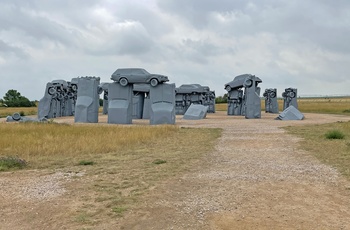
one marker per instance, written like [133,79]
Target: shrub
[10,162]
[83,162]
[334,134]
[159,161]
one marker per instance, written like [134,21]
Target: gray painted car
[137,75]
[240,81]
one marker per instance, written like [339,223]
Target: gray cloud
[7,50]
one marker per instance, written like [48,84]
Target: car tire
[272,94]
[291,94]
[154,82]
[16,116]
[248,83]
[123,81]
[60,97]
[228,88]
[51,91]
[74,88]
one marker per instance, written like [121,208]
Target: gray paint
[271,104]
[138,103]
[141,92]
[290,98]
[127,76]
[247,103]
[290,113]
[196,112]
[188,94]
[146,108]
[87,105]
[252,99]
[120,103]
[162,104]
[16,117]
[235,102]
[59,99]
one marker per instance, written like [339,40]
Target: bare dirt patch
[257,178]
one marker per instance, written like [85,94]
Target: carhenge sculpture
[162,98]
[87,104]
[132,84]
[188,94]
[244,102]
[140,100]
[271,104]
[59,99]
[290,98]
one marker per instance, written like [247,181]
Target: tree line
[13,98]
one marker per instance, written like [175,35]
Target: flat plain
[222,172]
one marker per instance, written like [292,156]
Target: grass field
[121,162]
[5,111]
[334,152]
[311,105]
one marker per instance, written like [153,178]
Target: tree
[14,99]
[221,99]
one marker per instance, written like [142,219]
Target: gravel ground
[257,178]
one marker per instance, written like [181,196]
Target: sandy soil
[257,178]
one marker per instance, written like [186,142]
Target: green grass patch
[11,162]
[334,134]
[159,161]
[84,162]
[119,210]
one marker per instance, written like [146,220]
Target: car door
[139,76]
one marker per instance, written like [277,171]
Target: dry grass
[311,105]
[325,105]
[335,152]
[221,107]
[5,111]
[125,162]
[44,143]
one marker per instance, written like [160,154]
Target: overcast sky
[303,44]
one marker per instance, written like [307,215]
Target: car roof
[123,70]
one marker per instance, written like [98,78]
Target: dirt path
[257,178]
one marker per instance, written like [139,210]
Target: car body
[126,76]
[240,81]
[192,88]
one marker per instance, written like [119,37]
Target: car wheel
[74,88]
[248,83]
[291,94]
[154,82]
[272,94]
[228,88]
[16,116]
[60,97]
[123,81]
[52,91]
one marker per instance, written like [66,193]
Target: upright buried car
[137,75]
